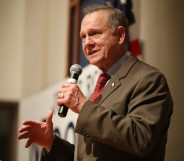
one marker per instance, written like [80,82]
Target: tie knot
[102,79]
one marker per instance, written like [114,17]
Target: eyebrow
[93,30]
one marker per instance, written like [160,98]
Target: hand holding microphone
[75,71]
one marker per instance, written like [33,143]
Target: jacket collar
[114,82]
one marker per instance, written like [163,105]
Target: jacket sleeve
[61,151]
[138,130]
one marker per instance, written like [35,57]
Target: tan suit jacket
[129,122]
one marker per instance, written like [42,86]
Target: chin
[99,65]
[97,60]
[94,62]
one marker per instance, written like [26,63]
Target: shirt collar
[114,68]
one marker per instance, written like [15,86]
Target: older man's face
[98,42]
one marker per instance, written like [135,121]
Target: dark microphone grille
[76,68]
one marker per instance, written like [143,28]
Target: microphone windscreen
[76,68]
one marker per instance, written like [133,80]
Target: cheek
[102,46]
[84,50]
[111,45]
[106,49]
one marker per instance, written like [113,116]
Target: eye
[95,34]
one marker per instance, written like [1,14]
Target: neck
[118,57]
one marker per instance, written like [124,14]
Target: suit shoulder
[142,68]
[143,71]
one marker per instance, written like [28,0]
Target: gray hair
[116,17]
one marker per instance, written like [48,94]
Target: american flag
[126,6]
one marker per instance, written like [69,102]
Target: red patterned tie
[102,80]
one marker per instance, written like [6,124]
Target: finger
[61,95]
[24,128]
[49,117]
[26,122]
[61,101]
[30,122]
[65,85]
[28,143]
[23,135]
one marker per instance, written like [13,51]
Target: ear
[121,34]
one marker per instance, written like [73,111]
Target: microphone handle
[62,112]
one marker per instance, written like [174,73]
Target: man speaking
[127,117]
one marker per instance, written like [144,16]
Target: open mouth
[92,52]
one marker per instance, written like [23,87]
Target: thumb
[49,117]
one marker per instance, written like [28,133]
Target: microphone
[75,71]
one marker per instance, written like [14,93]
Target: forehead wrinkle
[91,22]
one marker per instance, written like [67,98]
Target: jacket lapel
[114,82]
